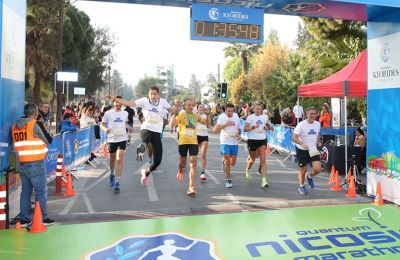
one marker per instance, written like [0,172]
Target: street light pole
[59,87]
[109,80]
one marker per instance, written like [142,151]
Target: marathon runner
[202,138]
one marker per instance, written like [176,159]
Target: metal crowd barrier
[75,146]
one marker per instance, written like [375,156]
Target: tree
[195,86]
[142,88]
[244,51]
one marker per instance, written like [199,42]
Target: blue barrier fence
[75,146]
[281,138]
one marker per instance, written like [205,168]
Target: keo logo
[168,246]
[385,52]
[213,14]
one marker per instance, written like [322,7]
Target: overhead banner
[383,142]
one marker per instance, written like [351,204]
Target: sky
[151,36]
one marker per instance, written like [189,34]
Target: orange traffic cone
[332,176]
[267,151]
[337,187]
[349,175]
[64,179]
[69,191]
[378,201]
[37,225]
[18,225]
[105,151]
[351,192]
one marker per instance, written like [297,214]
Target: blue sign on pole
[227,23]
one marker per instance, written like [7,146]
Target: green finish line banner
[360,231]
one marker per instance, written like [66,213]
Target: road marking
[212,177]
[88,204]
[106,172]
[151,189]
[281,163]
[70,204]
[235,201]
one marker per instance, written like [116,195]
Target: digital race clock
[228,24]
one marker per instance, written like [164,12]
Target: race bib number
[118,132]
[259,130]
[153,118]
[313,153]
[188,132]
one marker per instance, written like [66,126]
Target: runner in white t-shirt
[257,126]
[306,136]
[153,110]
[115,123]
[202,138]
[228,125]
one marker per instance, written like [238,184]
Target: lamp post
[109,80]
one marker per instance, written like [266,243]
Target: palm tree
[244,51]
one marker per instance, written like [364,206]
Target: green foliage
[390,160]
[244,51]
[232,69]
[142,88]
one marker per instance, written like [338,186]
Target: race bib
[259,130]
[232,133]
[188,132]
[313,152]
[118,132]
[153,118]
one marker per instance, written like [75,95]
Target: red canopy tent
[353,77]
[350,81]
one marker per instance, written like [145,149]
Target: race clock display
[228,24]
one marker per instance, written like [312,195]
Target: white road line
[281,163]
[212,177]
[151,190]
[70,204]
[106,174]
[235,200]
[88,204]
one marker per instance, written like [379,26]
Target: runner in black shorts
[202,138]
[306,136]
[257,126]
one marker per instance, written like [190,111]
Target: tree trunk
[245,62]
[36,86]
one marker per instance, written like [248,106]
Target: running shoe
[303,190]
[228,184]
[248,174]
[116,186]
[140,152]
[145,179]
[112,180]
[191,192]
[203,176]
[264,183]
[179,176]
[128,142]
[310,181]
[25,223]
[48,222]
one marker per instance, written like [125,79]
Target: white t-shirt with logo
[201,129]
[229,134]
[308,134]
[116,121]
[153,113]
[258,133]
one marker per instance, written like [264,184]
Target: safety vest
[29,147]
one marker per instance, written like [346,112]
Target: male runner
[115,123]
[153,108]
[306,136]
[228,124]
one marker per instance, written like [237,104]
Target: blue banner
[55,148]
[281,139]
[77,146]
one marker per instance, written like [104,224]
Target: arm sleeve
[140,102]
[165,104]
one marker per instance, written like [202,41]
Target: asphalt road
[96,201]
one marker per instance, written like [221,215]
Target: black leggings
[155,139]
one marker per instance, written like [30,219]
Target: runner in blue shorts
[228,125]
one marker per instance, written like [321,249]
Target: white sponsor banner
[79,91]
[13,45]
[384,62]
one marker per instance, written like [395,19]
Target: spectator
[276,117]
[30,139]
[359,139]
[67,123]
[289,118]
[87,119]
[68,110]
[298,112]
[44,115]
[325,117]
